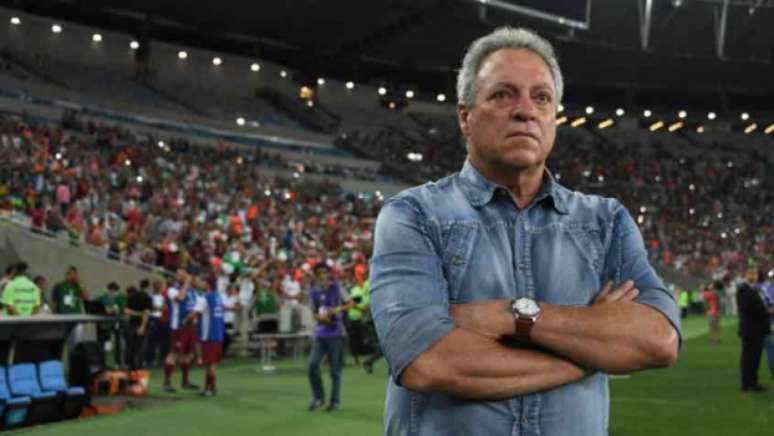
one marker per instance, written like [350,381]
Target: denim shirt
[462,239]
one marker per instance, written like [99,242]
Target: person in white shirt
[231,306]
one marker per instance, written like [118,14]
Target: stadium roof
[421,42]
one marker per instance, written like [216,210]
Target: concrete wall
[50,258]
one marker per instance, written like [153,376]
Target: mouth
[522,135]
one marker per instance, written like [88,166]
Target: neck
[523,183]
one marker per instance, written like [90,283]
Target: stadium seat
[23,381]
[51,375]
[13,410]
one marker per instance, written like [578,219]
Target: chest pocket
[458,240]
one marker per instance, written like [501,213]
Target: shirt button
[522,266]
[524,420]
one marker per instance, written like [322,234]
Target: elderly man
[501,298]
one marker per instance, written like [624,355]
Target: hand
[623,293]
[490,318]
[141,331]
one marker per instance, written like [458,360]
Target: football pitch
[699,396]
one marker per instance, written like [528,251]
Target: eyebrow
[541,85]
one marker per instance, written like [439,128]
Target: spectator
[69,294]
[114,303]
[712,301]
[21,296]
[138,308]
[753,328]
[158,327]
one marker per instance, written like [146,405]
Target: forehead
[510,65]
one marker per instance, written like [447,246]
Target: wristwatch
[525,312]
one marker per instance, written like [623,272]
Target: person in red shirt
[710,296]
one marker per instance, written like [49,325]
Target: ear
[463,115]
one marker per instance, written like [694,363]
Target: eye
[543,98]
[500,95]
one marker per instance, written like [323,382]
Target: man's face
[752,275]
[512,124]
[322,276]
[72,276]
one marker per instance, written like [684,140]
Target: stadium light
[15,21]
[579,122]
[682,114]
[321,81]
[283,74]
[751,128]
[657,125]
[676,126]
[350,85]
[620,112]
[711,115]
[414,157]
[745,116]
[441,98]
[409,94]
[134,45]
[310,103]
[182,54]
[589,110]
[560,109]
[255,67]
[647,113]
[96,37]
[561,120]
[240,121]
[605,124]
[700,129]
[382,90]
[769,130]
[392,105]
[217,61]
[56,28]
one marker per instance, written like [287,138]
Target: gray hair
[501,38]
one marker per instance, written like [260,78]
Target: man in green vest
[357,326]
[21,296]
[114,302]
[69,295]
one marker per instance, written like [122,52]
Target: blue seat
[13,410]
[23,381]
[51,376]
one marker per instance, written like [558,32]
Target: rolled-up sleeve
[632,264]
[409,295]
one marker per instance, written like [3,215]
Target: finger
[631,294]
[621,290]
[604,292]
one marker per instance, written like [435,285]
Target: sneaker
[169,389]
[332,407]
[315,404]
[369,367]
[190,387]
[207,393]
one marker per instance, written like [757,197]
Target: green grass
[698,396]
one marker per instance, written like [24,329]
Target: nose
[524,109]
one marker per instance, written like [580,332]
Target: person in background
[710,296]
[21,296]
[7,277]
[40,282]
[231,307]
[211,333]
[328,303]
[357,316]
[182,300]
[69,294]
[753,328]
[768,292]
[138,308]
[156,328]
[114,302]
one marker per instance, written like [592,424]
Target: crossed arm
[615,334]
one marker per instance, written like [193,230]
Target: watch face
[527,307]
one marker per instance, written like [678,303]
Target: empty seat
[51,376]
[23,381]
[13,410]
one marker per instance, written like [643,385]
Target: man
[182,300]
[21,296]
[138,308]
[768,292]
[114,303]
[485,285]
[211,330]
[158,331]
[753,328]
[710,296]
[69,294]
[328,303]
[231,307]
[357,322]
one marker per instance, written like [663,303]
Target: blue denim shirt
[462,239]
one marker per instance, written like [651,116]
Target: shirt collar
[479,191]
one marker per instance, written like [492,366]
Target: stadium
[287,218]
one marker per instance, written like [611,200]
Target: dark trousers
[158,336]
[135,348]
[752,348]
[331,347]
[358,333]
